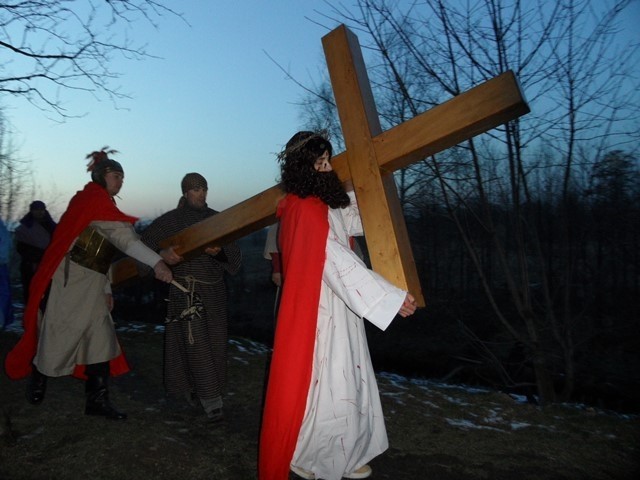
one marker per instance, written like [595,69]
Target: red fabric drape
[304,228]
[88,205]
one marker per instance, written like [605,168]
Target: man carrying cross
[323,417]
[370,158]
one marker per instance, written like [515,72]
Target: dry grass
[436,432]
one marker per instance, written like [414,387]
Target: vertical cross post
[383,221]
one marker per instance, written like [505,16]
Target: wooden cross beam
[370,159]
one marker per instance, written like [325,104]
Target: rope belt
[195,308]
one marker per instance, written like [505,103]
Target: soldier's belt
[93,251]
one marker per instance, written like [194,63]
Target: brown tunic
[195,352]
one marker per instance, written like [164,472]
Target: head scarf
[46,221]
[37,205]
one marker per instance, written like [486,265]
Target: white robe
[77,328]
[343,426]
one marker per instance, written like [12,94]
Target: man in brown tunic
[195,347]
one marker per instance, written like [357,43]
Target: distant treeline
[521,295]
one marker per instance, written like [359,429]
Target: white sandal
[303,473]
[363,472]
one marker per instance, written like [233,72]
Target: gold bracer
[93,251]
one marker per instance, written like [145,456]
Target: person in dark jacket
[33,236]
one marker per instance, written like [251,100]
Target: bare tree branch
[52,47]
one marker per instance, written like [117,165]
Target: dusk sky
[214,103]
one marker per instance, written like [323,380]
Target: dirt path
[436,432]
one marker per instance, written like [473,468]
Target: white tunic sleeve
[124,238]
[365,292]
[271,243]
[351,217]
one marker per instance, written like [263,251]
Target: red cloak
[93,203]
[304,228]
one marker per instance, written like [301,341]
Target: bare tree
[15,176]
[613,194]
[514,194]
[55,46]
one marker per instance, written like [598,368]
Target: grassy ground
[436,431]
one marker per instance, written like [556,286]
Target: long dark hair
[298,175]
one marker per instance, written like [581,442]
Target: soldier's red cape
[88,205]
[304,228]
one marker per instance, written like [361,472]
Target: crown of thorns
[300,144]
[98,156]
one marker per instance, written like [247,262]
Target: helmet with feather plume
[101,164]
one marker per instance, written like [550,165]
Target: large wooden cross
[370,159]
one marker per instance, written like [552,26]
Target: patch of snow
[468,425]
[519,425]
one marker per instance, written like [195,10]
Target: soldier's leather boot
[37,387]
[98,399]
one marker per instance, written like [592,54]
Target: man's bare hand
[163,273]
[276,277]
[408,306]
[170,256]
[212,250]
